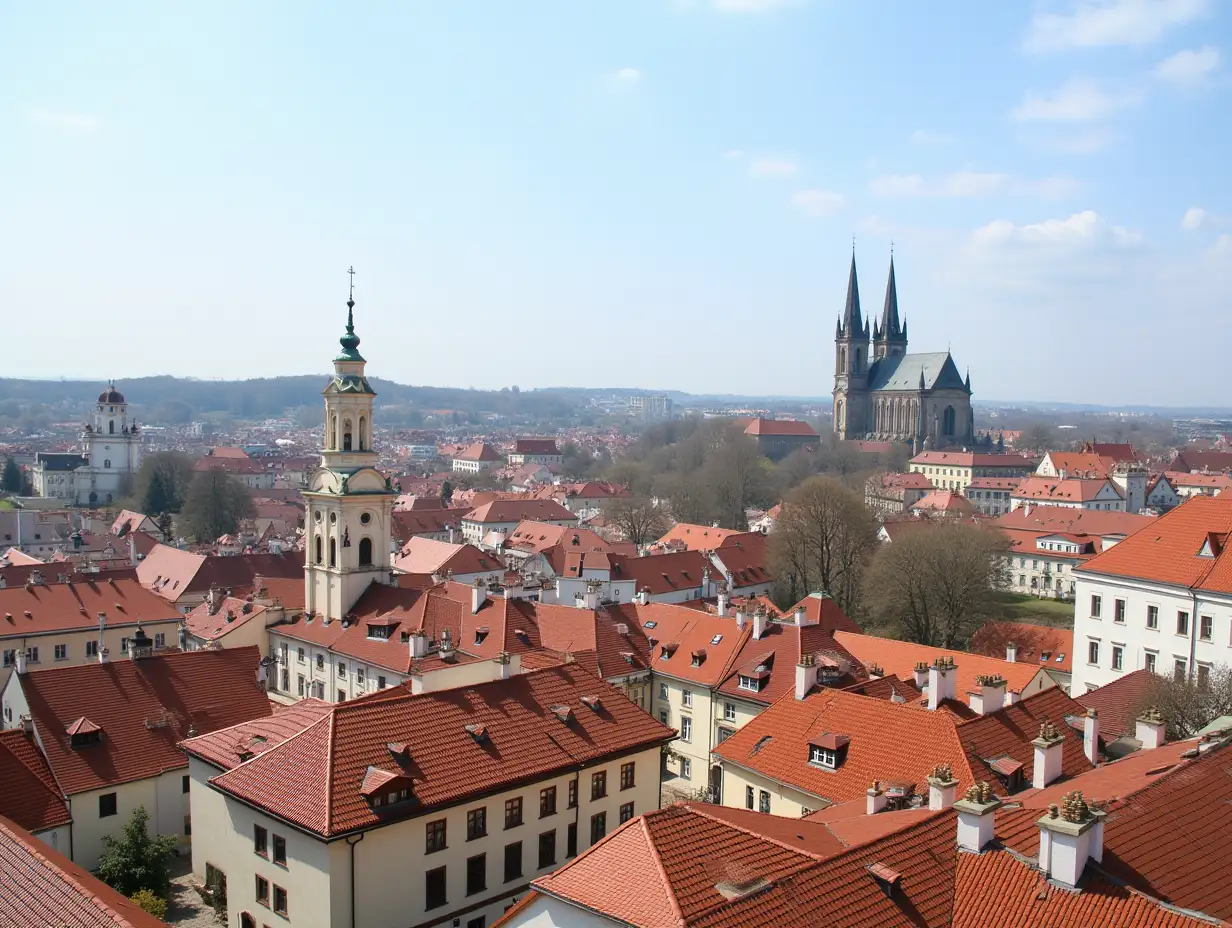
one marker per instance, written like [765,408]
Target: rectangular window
[547,801]
[1092,652]
[434,888]
[547,849]
[748,797]
[320,662]
[1204,676]
[32,655]
[513,861]
[280,850]
[513,812]
[1150,661]
[1152,617]
[724,734]
[627,772]
[729,712]
[435,836]
[664,715]
[1096,605]
[1179,669]
[476,874]
[1118,610]
[280,900]
[1206,627]
[341,696]
[572,797]
[1182,623]
[686,698]
[301,684]
[1118,655]
[91,649]
[263,891]
[160,640]
[106,805]
[260,840]
[61,652]
[598,827]
[686,768]
[626,812]
[686,728]
[476,823]
[342,669]
[571,840]
[663,691]
[598,785]
[299,653]
[380,683]
[764,801]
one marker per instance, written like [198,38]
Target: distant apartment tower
[651,408]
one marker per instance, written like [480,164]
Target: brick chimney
[919,675]
[875,799]
[1151,729]
[806,675]
[941,788]
[1048,748]
[976,817]
[989,695]
[1070,835]
[941,678]
[1090,736]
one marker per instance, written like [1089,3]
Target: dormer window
[829,751]
[822,756]
[749,683]
[378,632]
[83,732]
[480,634]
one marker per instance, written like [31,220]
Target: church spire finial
[350,341]
[852,322]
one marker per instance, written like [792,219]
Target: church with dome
[884,393]
[103,470]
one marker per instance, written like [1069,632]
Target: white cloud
[926,138]
[627,76]
[817,202]
[1193,219]
[69,123]
[1076,101]
[754,6]
[733,154]
[1222,246]
[1080,230]
[1093,23]
[971,184]
[773,167]
[1188,68]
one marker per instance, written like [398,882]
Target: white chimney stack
[419,644]
[1090,736]
[102,648]
[1011,652]
[806,675]
[801,616]
[1151,729]
[1048,748]
[976,818]
[1070,835]
[941,678]
[479,593]
[875,799]
[741,616]
[592,594]
[502,666]
[919,675]
[941,788]
[21,661]
[723,599]
[761,621]
[989,695]
[643,596]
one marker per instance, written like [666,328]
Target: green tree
[150,903]
[162,483]
[135,861]
[215,505]
[11,480]
[446,492]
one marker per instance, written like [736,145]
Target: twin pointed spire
[852,324]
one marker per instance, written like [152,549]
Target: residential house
[894,494]
[476,459]
[535,451]
[991,495]
[954,470]
[490,525]
[438,524]
[463,563]
[1201,461]
[940,504]
[777,438]
[1161,494]
[1188,486]
[1097,493]
[689,537]
[740,560]
[184,578]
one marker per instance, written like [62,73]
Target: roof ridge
[662,871]
[329,773]
[762,837]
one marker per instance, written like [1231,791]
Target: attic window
[887,878]
[628,656]
[829,750]
[563,713]
[650,624]
[699,658]
[749,683]
[380,632]
[593,703]
[477,731]
[480,634]
[716,639]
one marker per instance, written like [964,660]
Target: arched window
[859,359]
[842,360]
[363,431]
[333,433]
[247,921]
[365,552]
[838,414]
[107,463]
[318,552]
[346,434]
[111,426]
[333,552]
[948,421]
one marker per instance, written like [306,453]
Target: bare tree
[1187,705]
[937,586]
[639,520]
[735,476]
[823,540]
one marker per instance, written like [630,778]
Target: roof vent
[592,702]
[887,878]
[562,712]
[399,750]
[477,731]
[738,889]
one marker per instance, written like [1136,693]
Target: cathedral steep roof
[935,370]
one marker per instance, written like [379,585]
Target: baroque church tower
[350,502]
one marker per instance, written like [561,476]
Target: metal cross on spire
[351,271]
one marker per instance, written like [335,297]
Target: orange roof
[900,657]
[779,650]
[429,556]
[697,537]
[972,459]
[537,537]
[947,501]
[1035,644]
[1119,702]
[821,609]
[520,510]
[30,796]
[717,640]
[1080,464]
[1071,489]
[172,572]
[34,610]
[785,427]
[664,573]
[227,748]
[313,779]
[1052,519]
[479,451]
[232,613]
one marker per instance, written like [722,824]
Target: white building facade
[103,471]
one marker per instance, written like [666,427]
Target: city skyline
[668,187]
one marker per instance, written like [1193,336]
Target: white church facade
[102,472]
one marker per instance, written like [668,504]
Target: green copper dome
[350,341]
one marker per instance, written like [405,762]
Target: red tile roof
[973,459]
[1120,702]
[697,537]
[659,574]
[1200,461]
[232,613]
[1081,464]
[947,501]
[1070,490]
[775,427]
[313,779]
[173,573]
[535,537]
[1092,522]
[520,510]
[429,556]
[690,630]
[407,523]
[535,446]
[144,708]
[1035,644]
[30,796]
[42,887]
[779,650]
[227,748]
[900,657]
[34,610]
[479,451]
[821,609]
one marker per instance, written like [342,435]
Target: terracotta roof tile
[520,510]
[697,537]
[900,657]
[172,572]
[1119,703]
[63,606]
[30,796]
[230,747]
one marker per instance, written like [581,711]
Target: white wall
[163,797]
[547,912]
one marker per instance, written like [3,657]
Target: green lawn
[1015,607]
[7,504]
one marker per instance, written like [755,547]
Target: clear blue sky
[643,193]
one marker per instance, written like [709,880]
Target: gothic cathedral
[350,502]
[889,394]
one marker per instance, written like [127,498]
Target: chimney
[419,644]
[976,817]
[941,788]
[479,593]
[183,636]
[132,550]
[741,616]
[919,675]
[1090,736]
[445,648]
[1070,836]
[705,591]
[1011,652]
[21,661]
[141,645]
[990,695]
[1048,748]
[875,799]
[806,675]
[723,600]
[761,621]
[941,677]
[453,535]
[213,599]
[502,666]
[800,616]
[592,594]
[1150,729]
[643,596]
[102,648]
[875,671]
